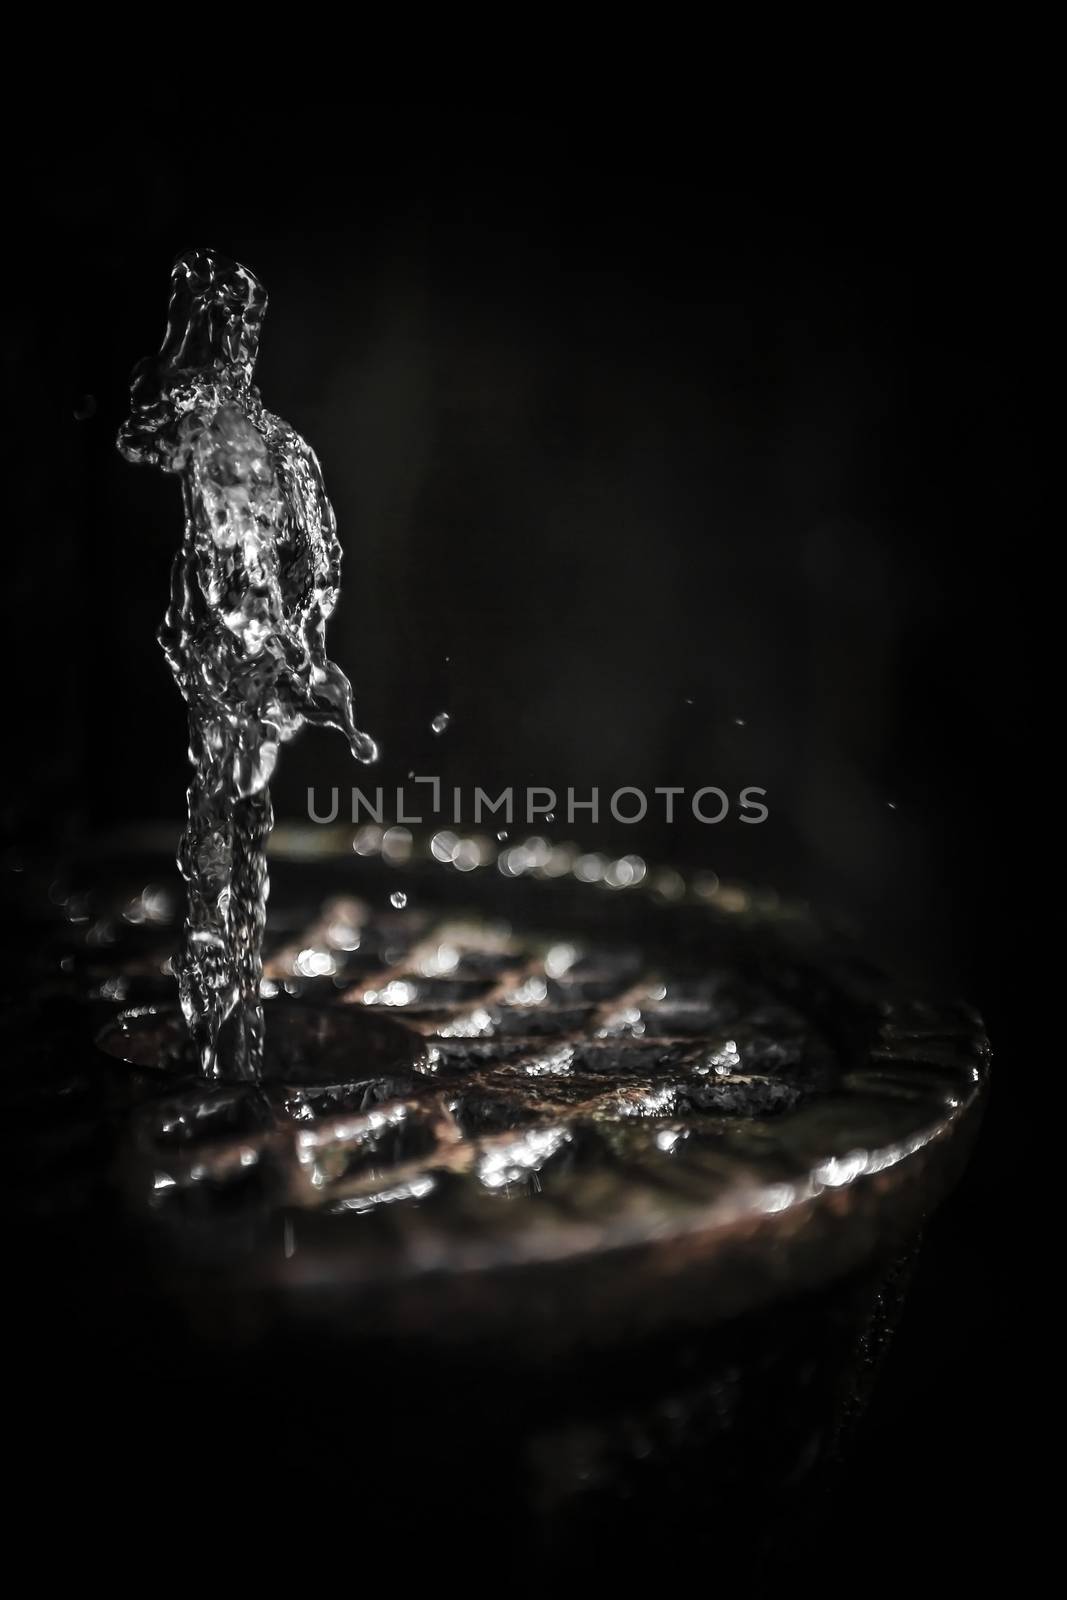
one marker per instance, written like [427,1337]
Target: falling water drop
[440,722]
[398,899]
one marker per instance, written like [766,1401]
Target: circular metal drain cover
[662,1117]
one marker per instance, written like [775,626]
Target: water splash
[252,587]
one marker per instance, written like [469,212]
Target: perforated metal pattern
[657,1112]
[526,1056]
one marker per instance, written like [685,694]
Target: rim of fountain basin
[641,1259]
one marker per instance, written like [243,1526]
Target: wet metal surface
[528,1108]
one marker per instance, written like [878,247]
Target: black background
[629,437]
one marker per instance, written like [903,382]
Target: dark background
[623,445]
[628,437]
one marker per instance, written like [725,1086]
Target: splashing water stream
[252,587]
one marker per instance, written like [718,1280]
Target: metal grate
[522,1102]
[526,1056]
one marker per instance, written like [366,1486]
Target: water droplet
[550,816]
[502,835]
[396,844]
[440,722]
[891,804]
[689,700]
[739,722]
[313,963]
[398,899]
